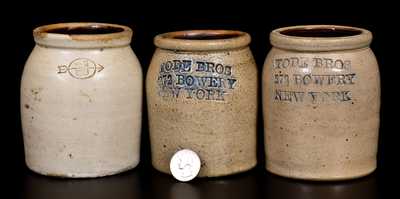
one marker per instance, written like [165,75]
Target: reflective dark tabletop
[146,182]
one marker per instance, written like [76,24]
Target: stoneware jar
[202,95]
[321,101]
[81,97]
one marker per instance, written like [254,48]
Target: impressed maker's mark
[81,68]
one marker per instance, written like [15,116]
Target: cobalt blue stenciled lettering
[195,80]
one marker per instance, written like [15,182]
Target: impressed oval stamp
[81,68]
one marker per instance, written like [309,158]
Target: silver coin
[185,165]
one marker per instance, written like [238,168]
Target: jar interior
[85,30]
[321,32]
[206,36]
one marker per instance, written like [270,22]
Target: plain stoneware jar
[81,101]
[321,101]
[202,95]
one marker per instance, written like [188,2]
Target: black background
[150,20]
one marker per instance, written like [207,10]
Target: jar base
[83,175]
[322,178]
[213,175]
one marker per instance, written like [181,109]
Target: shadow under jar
[202,95]
[321,101]
[81,101]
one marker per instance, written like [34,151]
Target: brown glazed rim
[82,35]
[202,40]
[320,38]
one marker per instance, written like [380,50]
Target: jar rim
[202,40]
[320,38]
[82,35]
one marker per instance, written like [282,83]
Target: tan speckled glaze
[81,101]
[221,132]
[323,135]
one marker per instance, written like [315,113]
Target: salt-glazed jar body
[202,95]
[81,98]
[321,102]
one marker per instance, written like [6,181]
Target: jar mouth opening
[320,38]
[202,40]
[208,35]
[322,32]
[82,35]
[90,29]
